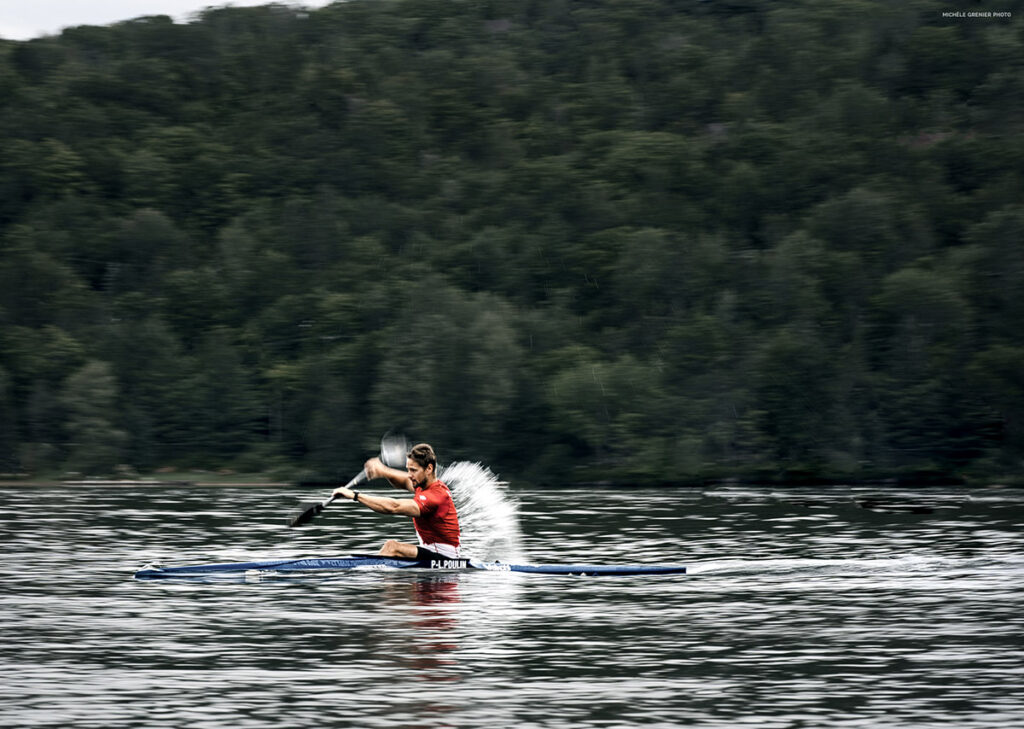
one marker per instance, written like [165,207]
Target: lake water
[803,608]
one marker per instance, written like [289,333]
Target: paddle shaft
[392,453]
[312,510]
[362,476]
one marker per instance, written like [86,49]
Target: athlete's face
[417,473]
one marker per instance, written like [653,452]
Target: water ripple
[840,608]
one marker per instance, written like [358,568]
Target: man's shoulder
[436,491]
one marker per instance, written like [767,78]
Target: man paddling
[431,508]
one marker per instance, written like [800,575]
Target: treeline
[654,240]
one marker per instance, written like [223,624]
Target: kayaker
[431,508]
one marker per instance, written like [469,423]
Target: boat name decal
[449,564]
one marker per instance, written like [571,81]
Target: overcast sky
[24,19]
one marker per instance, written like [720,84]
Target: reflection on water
[829,607]
[430,604]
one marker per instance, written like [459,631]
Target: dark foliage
[628,239]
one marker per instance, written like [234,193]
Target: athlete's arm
[399,479]
[383,504]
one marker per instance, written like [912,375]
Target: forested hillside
[643,240]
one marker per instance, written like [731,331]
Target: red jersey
[437,523]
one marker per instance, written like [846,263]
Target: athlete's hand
[373,468]
[343,492]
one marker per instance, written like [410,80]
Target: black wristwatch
[355,496]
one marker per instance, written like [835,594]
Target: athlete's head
[421,463]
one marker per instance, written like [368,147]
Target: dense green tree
[998,376]
[221,406]
[89,396]
[639,239]
[994,273]
[9,456]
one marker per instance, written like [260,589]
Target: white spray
[488,514]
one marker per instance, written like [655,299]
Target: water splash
[488,514]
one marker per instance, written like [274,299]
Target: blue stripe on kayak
[599,569]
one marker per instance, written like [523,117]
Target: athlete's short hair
[423,454]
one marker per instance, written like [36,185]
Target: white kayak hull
[309,565]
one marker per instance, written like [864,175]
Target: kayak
[374,563]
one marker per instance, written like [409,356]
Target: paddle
[393,449]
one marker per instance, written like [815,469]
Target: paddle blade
[305,514]
[393,449]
